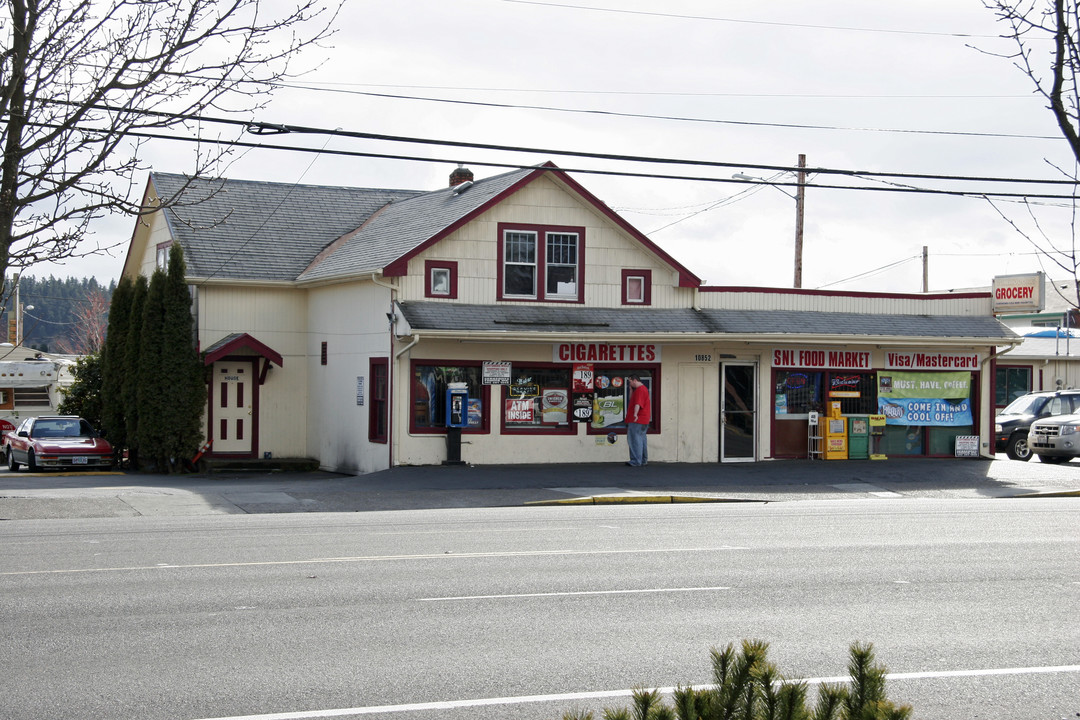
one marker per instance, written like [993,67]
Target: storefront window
[537,399]
[1011,383]
[798,392]
[925,411]
[613,397]
[428,400]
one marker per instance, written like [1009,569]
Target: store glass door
[738,412]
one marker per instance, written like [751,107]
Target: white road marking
[570,594]
[378,558]
[606,694]
[864,487]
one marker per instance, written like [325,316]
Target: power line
[676,118]
[802,26]
[265,128]
[653,176]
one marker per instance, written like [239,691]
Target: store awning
[705,324]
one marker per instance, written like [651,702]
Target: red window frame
[379,404]
[485,398]
[541,232]
[654,395]
[449,265]
[646,290]
[510,429]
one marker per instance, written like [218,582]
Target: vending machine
[858,438]
[836,435]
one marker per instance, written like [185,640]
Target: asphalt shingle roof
[637,321]
[408,223]
[245,229]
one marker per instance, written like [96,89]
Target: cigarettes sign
[1019,293]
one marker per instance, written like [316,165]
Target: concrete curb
[642,500]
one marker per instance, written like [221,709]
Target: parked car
[56,441]
[1055,439]
[1012,424]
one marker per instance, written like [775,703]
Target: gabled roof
[246,230]
[405,228]
[259,230]
[457,318]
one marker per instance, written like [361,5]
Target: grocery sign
[1019,293]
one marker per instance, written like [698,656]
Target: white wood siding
[351,319]
[769,299]
[608,250]
[276,318]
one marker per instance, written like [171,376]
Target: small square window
[637,287]
[440,279]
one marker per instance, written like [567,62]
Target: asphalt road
[526,612]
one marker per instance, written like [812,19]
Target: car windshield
[1026,405]
[61,428]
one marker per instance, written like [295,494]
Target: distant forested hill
[63,307]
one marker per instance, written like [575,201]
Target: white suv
[1055,439]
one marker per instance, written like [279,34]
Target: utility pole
[925,269]
[800,197]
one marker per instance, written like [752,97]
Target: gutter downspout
[392,370]
[982,369]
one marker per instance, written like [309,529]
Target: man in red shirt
[638,416]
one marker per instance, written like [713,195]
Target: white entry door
[232,394]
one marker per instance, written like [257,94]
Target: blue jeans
[637,439]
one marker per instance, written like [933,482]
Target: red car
[56,441]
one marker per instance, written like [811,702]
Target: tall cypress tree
[185,391]
[130,381]
[151,381]
[113,358]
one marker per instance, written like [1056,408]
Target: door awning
[241,344]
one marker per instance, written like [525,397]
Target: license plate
[80,460]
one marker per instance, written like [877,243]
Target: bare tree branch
[76,77]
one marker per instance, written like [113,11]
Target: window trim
[541,232]
[379,407]
[653,371]
[646,289]
[449,265]
[540,429]
[161,255]
[485,398]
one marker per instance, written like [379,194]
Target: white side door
[232,391]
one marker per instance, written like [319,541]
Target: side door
[232,393]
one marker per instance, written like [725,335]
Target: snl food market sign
[1019,293]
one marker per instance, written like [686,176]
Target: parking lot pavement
[25,496]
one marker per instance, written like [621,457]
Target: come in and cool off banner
[925,398]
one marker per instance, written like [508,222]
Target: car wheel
[1018,449]
[11,464]
[31,464]
[1054,459]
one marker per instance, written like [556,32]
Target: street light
[800,198]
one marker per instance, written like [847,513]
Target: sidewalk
[25,496]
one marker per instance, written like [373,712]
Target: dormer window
[541,263]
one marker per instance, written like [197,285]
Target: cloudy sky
[912,88]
